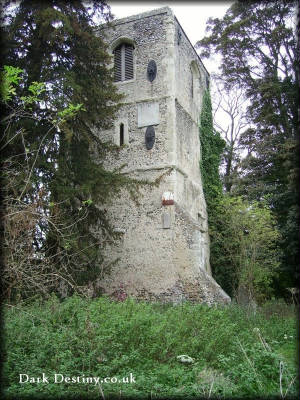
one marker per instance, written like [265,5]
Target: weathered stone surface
[161,257]
[148,114]
[166,220]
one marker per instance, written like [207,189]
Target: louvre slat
[129,74]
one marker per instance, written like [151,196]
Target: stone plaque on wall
[148,114]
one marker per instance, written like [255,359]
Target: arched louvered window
[123,57]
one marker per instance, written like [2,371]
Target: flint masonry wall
[163,252]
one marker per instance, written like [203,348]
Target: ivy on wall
[212,146]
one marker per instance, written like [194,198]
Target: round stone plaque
[149,137]
[151,71]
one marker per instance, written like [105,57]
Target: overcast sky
[192,16]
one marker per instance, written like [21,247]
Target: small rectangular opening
[121,134]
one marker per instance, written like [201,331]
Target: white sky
[192,16]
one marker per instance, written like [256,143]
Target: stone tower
[163,253]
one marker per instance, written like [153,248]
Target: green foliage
[10,77]
[236,354]
[69,112]
[243,236]
[244,247]
[212,146]
[259,49]
[36,88]
[26,267]
[68,93]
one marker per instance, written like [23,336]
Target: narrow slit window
[121,134]
[123,62]
[195,84]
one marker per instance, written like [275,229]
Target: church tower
[163,252]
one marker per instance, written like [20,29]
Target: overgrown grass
[237,354]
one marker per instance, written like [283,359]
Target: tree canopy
[60,163]
[259,53]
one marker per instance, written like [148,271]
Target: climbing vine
[212,146]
